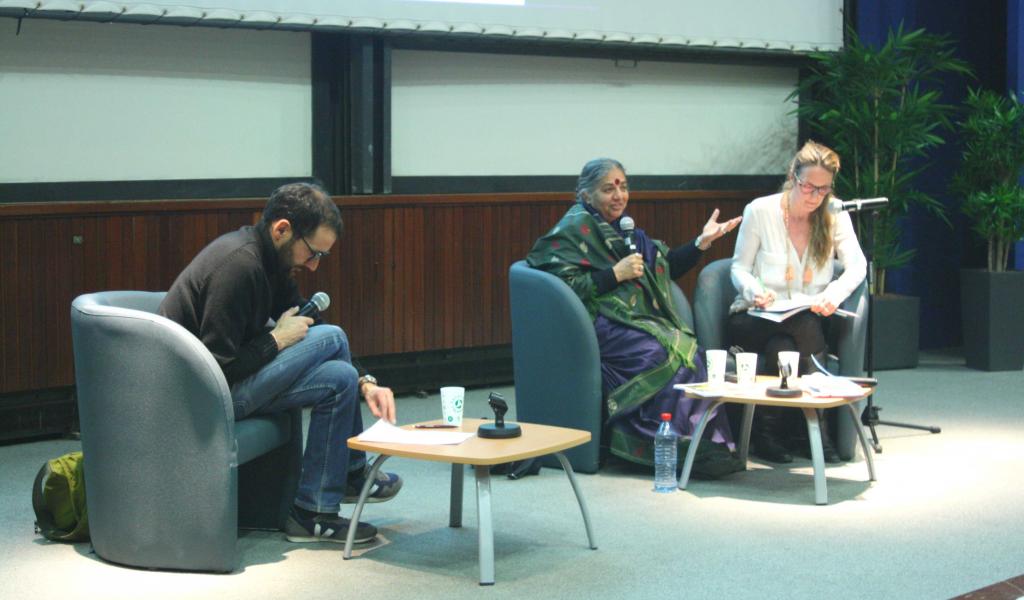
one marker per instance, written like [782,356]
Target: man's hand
[381,401]
[628,268]
[290,328]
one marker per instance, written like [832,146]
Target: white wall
[483,114]
[95,102]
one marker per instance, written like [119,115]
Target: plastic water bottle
[665,449]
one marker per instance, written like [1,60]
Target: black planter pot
[993,319]
[895,331]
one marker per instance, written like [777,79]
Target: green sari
[581,244]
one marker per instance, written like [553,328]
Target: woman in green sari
[646,348]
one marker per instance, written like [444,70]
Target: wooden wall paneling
[433,291]
[72,257]
[450,246]
[389,309]
[57,298]
[412,273]
[111,253]
[419,283]
[33,310]
[475,272]
[499,259]
[9,263]
[151,247]
[377,310]
[356,269]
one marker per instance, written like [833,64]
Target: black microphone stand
[870,415]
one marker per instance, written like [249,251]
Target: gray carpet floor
[945,517]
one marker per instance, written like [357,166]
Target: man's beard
[284,259]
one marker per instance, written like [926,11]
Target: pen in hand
[434,426]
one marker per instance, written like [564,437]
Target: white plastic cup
[452,400]
[716,366]
[746,368]
[792,359]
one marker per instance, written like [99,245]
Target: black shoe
[325,528]
[827,447]
[716,466]
[829,451]
[769,448]
[767,440]
[385,487]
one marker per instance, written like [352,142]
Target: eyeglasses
[315,254]
[818,190]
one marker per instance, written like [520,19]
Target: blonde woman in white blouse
[784,250]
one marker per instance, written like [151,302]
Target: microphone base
[779,392]
[493,432]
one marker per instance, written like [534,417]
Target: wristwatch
[366,379]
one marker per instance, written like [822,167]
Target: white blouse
[763,251]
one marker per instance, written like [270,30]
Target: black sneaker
[325,528]
[385,487]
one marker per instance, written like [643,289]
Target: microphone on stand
[627,226]
[838,206]
[317,304]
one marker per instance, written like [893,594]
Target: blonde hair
[814,154]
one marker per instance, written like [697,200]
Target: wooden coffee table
[807,403]
[537,440]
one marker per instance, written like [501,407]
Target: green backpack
[58,497]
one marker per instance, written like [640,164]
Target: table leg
[868,451]
[579,498]
[817,455]
[484,524]
[370,477]
[691,453]
[745,428]
[455,510]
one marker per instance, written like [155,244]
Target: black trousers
[804,332]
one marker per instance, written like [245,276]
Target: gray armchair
[170,476]
[556,361]
[715,292]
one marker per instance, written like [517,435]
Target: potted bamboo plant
[992,132]
[873,107]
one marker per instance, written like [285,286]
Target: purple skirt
[628,352]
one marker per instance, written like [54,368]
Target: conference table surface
[754,395]
[536,440]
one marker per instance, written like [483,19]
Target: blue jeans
[316,372]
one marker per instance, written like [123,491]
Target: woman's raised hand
[714,230]
[628,268]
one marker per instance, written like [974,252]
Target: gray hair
[592,174]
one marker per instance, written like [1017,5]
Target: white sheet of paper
[821,385]
[384,432]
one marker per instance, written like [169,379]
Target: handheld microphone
[839,206]
[627,226]
[317,304]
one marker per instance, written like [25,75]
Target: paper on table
[384,432]
[780,310]
[717,390]
[825,386]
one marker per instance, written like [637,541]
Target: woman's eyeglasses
[819,190]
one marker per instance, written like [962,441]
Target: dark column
[351,113]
